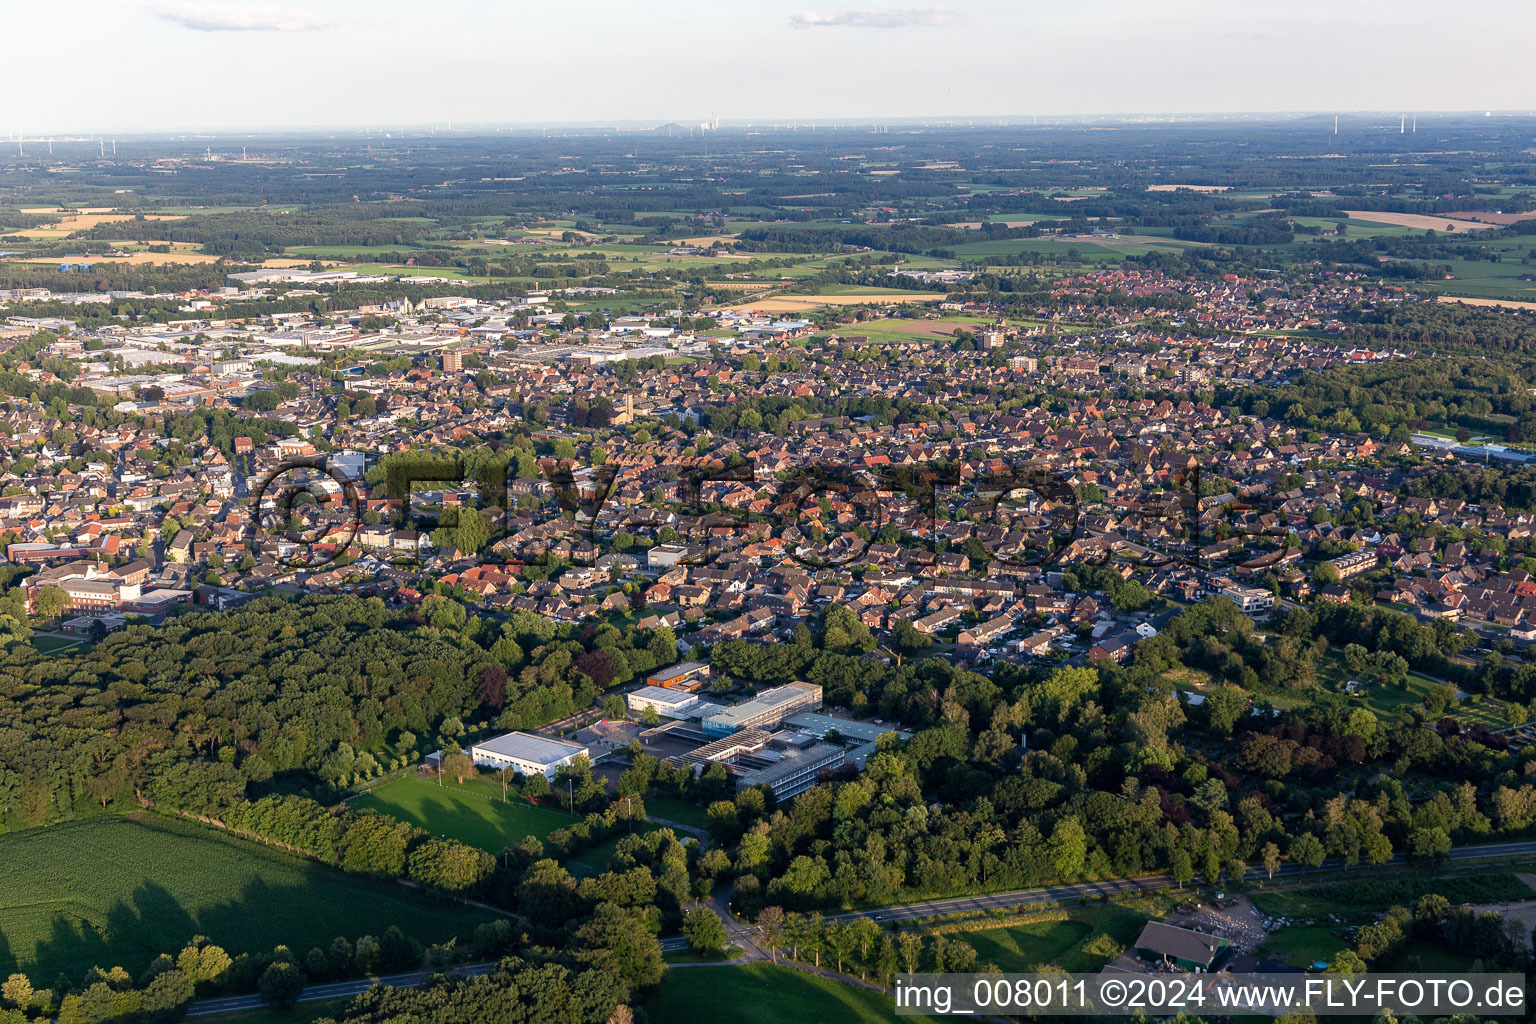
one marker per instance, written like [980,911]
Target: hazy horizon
[281,65]
[1376,121]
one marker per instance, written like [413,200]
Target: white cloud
[894,17]
[235,17]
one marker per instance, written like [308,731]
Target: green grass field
[1389,701]
[1299,946]
[55,644]
[119,891]
[765,994]
[1021,947]
[472,813]
[680,811]
[1085,940]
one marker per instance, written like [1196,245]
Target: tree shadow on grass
[253,918]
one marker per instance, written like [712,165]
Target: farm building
[1191,950]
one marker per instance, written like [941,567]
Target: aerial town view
[767,515]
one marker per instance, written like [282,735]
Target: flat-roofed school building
[768,708]
[685,675]
[525,752]
[663,700]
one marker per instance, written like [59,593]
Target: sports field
[115,891]
[472,813]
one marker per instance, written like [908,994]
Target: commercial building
[526,753]
[768,708]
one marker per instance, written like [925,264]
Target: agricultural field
[1486,280]
[1088,251]
[896,330]
[71,221]
[1355,227]
[1417,221]
[472,813]
[119,891]
[862,297]
[765,994]
[1470,301]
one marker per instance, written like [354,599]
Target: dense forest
[207,708]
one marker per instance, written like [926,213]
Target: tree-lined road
[745,936]
[1025,897]
[335,990]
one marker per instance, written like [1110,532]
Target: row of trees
[363,842]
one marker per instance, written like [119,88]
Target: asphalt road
[1025,897]
[336,990]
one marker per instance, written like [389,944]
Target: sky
[197,65]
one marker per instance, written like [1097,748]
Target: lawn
[1022,947]
[1389,701]
[55,644]
[593,860]
[1084,940]
[765,994]
[472,813]
[118,891]
[1299,946]
[680,811]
